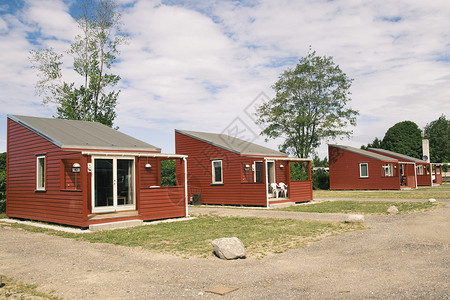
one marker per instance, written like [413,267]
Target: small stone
[432,200]
[229,248]
[355,219]
[393,210]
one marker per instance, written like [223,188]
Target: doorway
[113,186]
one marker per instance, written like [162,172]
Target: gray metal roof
[81,134]
[398,155]
[365,153]
[231,143]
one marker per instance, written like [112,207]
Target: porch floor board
[113,215]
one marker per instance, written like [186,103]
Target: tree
[404,138]
[94,51]
[438,132]
[375,144]
[309,106]
[2,182]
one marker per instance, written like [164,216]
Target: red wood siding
[422,180]
[300,191]
[437,175]
[235,190]
[344,172]
[162,203]
[52,205]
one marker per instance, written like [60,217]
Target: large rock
[229,248]
[393,210]
[355,219]
[432,200]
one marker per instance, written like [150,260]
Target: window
[388,170]
[364,170]
[40,173]
[70,174]
[259,171]
[217,172]
[438,170]
[420,170]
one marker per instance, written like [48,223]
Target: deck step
[280,204]
[113,215]
[115,225]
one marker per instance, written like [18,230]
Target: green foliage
[438,132]
[93,52]
[375,144]
[309,106]
[168,173]
[404,138]
[321,180]
[299,171]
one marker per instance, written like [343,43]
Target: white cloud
[197,64]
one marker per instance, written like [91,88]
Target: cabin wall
[300,191]
[345,172]
[61,202]
[422,180]
[238,186]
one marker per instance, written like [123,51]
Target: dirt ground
[399,257]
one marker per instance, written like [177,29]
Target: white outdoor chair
[283,189]
[275,189]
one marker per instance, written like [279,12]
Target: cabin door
[113,185]
[270,175]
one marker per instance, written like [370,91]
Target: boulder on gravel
[432,200]
[229,248]
[393,210]
[355,219]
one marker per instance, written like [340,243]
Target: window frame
[419,169]
[40,173]
[213,173]
[255,175]
[367,170]
[388,170]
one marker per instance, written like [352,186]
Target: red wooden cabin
[355,169]
[227,170]
[410,167]
[82,173]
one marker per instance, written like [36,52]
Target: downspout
[267,184]
[185,186]
[415,174]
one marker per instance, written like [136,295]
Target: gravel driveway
[399,257]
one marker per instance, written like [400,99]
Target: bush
[321,180]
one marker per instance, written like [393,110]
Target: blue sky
[205,65]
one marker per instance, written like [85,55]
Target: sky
[205,65]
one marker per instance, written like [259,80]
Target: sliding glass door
[113,187]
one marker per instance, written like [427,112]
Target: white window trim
[254,170]
[213,177]
[96,209]
[38,173]
[388,170]
[420,170]
[360,174]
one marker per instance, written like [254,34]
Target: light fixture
[247,167]
[147,165]
[76,169]
[281,166]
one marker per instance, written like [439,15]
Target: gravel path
[399,257]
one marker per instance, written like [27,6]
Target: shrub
[321,180]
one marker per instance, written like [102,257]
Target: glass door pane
[103,184]
[125,182]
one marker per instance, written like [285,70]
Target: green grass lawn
[436,192]
[361,207]
[193,238]
[12,289]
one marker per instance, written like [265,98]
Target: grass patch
[436,192]
[261,236]
[2,215]
[12,289]
[361,207]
